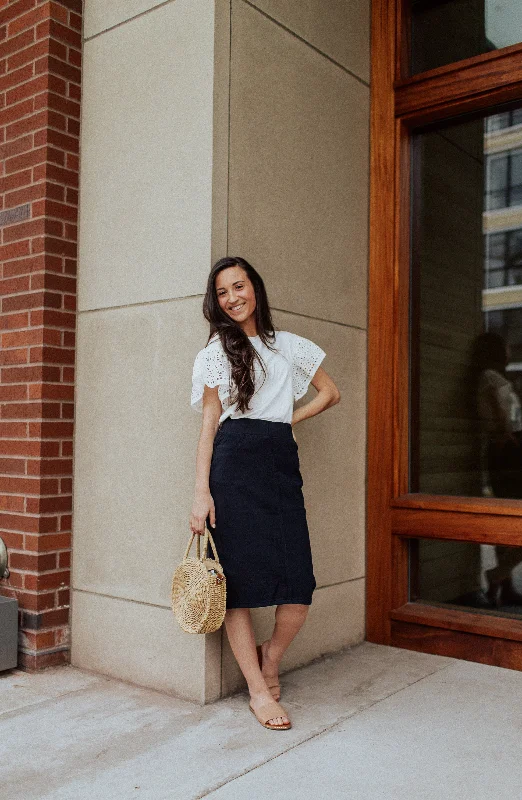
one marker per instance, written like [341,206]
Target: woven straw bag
[199,590]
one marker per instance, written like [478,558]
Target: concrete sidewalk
[372,722]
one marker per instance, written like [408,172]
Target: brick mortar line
[23,459]
[33,291]
[55,38]
[51,271]
[37,183]
[47,54]
[33,219]
[29,494]
[21,14]
[44,144]
[47,572]
[34,77]
[47,651]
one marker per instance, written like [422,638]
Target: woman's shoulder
[211,352]
[284,337]
[213,344]
[491,377]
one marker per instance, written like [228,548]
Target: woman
[248,481]
[500,412]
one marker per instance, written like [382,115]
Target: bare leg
[289,619]
[240,632]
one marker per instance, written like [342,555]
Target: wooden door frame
[393,515]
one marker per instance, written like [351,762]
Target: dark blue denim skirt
[261,532]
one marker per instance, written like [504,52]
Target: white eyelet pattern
[306,357]
[211,367]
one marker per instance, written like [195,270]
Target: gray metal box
[8,632]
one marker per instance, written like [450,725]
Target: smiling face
[236,296]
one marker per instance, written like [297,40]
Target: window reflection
[445,31]
[466,575]
[466,346]
[504,180]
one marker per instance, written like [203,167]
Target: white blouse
[289,372]
[492,381]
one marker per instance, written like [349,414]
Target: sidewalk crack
[317,734]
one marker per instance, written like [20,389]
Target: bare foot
[258,699]
[270,671]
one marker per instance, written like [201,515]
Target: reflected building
[502,220]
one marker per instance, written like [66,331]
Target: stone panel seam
[130,19]
[195,296]
[122,599]
[309,44]
[340,583]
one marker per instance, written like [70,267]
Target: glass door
[445,329]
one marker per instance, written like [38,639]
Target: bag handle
[206,538]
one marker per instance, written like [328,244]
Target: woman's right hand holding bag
[202,507]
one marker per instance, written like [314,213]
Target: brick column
[40,69]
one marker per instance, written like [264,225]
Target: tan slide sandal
[275,688]
[271,710]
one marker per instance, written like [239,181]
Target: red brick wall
[40,69]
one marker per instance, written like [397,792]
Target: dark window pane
[496,200]
[465,575]
[466,329]
[499,121]
[498,173]
[515,196]
[445,31]
[516,167]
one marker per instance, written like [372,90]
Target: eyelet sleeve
[211,368]
[306,357]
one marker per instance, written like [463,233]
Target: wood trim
[401,335]
[400,569]
[403,35]
[465,63]
[397,519]
[380,321]
[497,652]
[471,85]
[469,505]
[457,526]
[487,623]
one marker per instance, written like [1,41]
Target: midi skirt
[261,532]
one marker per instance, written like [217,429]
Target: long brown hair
[488,351]
[235,342]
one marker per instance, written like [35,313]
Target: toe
[278,721]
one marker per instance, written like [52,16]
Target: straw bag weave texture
[199,591]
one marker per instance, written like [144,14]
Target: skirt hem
[273,603]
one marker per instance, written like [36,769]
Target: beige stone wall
[145,249]
[212,128]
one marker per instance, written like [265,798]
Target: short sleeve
[306,357]
[211,368]
[491,379]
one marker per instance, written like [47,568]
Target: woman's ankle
[259,693]
[271,655]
